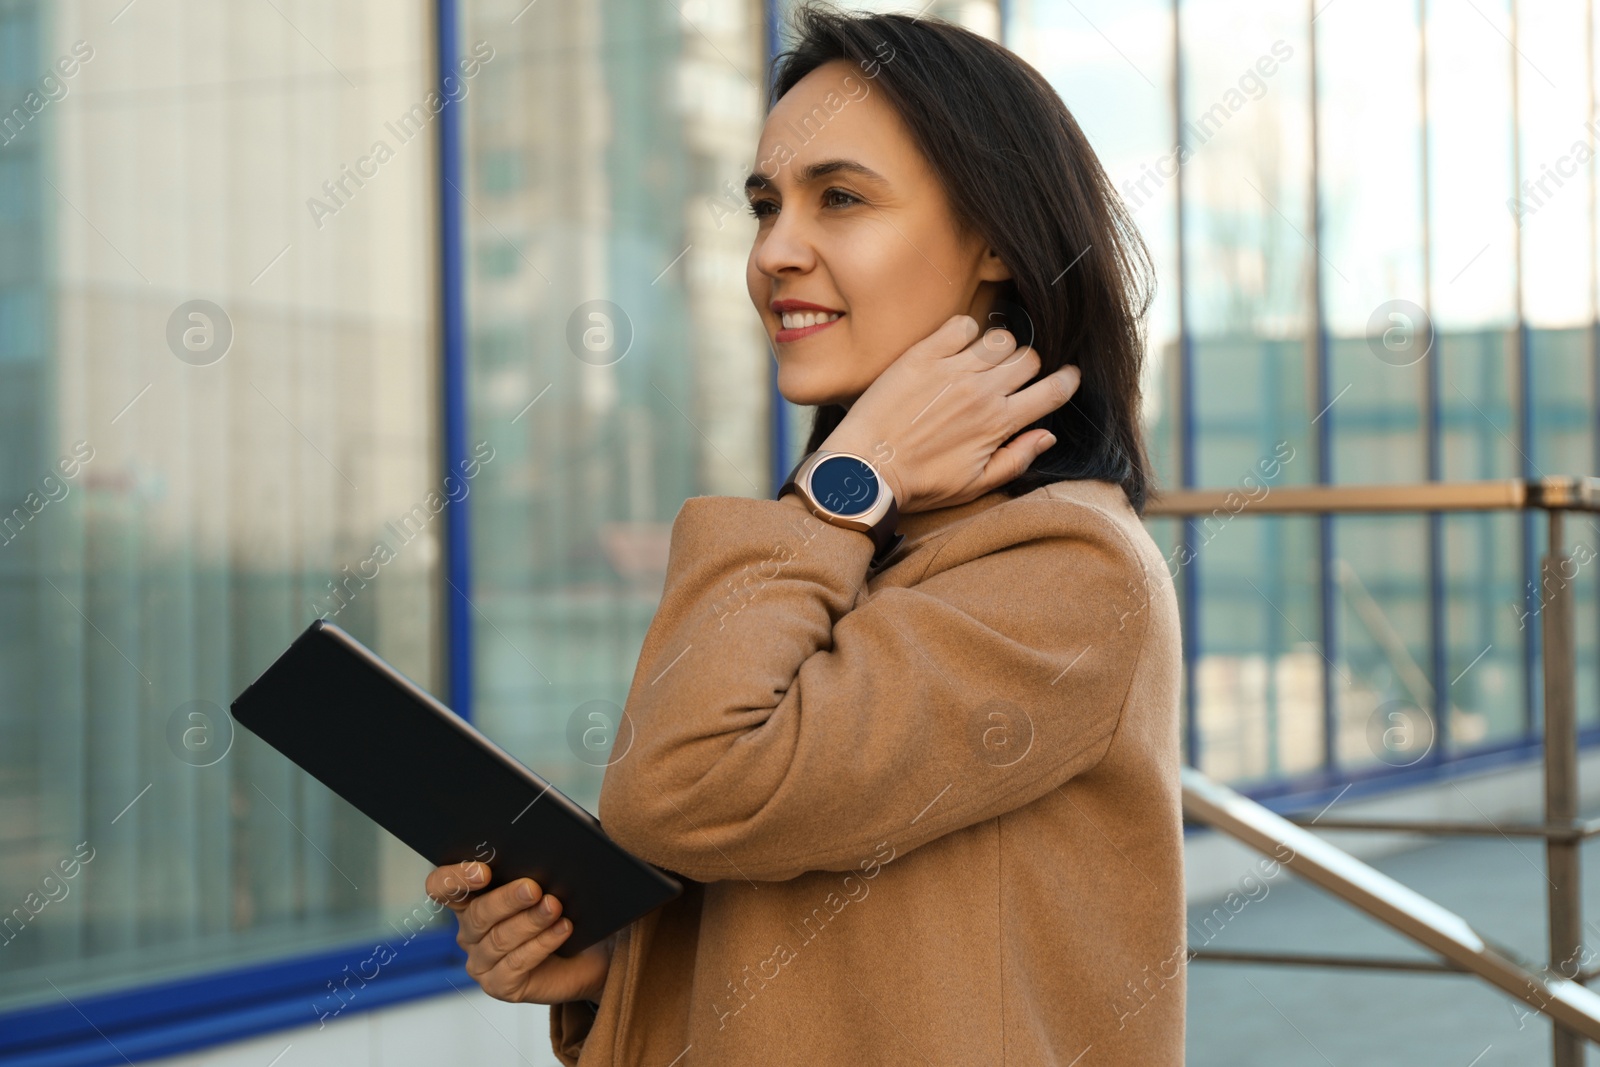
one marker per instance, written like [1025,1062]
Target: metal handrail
[1401,909]
[1576,830]
[1512,494]
[1571,1006]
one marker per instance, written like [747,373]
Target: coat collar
[920,526]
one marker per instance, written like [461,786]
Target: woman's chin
[808,392]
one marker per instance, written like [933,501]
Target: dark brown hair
[1019,173]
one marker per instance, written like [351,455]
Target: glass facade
[1384,271]
[217,378]
[234,397]
[613,357]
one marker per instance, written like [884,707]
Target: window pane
[1248,229]
[1553,116]
[185,486]
[1259,683]
[1370,108]
[1111,61]
[616,363]
[1247,123]
[1483,566]
[1470,137]
[1369,111]
[1562,443]
[1383,685]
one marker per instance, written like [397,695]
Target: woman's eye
[830,198]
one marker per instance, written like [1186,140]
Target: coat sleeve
[785,720]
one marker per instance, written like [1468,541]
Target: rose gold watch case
[864,521]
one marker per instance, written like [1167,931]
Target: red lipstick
[785,335]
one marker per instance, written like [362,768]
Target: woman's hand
[936,420]
[509,935]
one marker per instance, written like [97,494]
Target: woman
[922,785]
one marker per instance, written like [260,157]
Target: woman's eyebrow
[820,169]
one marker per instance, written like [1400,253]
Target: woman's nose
[787,245]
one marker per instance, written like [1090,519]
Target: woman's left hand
[510,935]
[935,422]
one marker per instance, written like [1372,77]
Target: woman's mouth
[798,324]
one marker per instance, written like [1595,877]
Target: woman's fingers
[1043,396]
[515,931]
[510,934]
[490,909]
[1003,368]
[951,339]
[454,884]
[996,348]
[510,971]
[1018,370]
[1012,458]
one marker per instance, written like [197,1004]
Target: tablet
[421,772]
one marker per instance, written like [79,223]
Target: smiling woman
[863,236]
[924,199]
[975,706]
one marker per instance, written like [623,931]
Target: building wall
[175,512]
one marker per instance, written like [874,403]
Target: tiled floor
[1246,1015]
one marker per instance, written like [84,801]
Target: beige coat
[930,813]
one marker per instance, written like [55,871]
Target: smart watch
[845,490]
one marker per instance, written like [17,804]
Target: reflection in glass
[616,363]
[1111,62]
[1551,205]
[216,398]
[1469,164]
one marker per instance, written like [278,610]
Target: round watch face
[844,485]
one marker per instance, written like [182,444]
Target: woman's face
[852,219]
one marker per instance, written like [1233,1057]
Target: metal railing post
[1561,776]
[1559,990]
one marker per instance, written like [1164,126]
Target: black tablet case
[428,777]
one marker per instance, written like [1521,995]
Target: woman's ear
[993,269]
